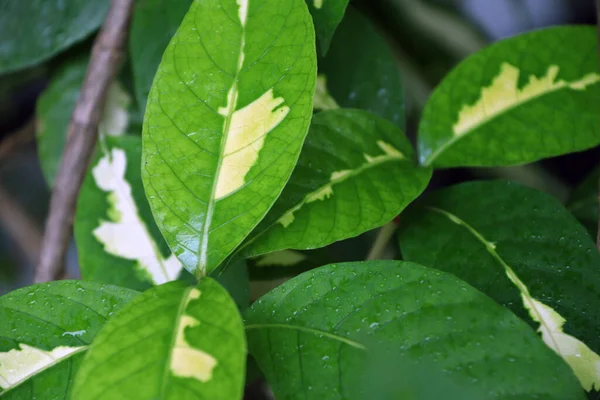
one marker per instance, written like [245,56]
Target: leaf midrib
[523,290]
[308,330]
[203,258]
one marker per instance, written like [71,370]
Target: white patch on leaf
[285,258]
[187,361]
[326,191]
[503,94]
[318,4]
[323,100]
[115,118]
[126,235]
[245,137]
[582,360]
[20,364]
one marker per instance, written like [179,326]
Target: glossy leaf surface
[172,342]
[583,202]
[310,335]
[45,331]
[519,100]
[360,71]
[225,121]
[153,24]
[522,248]
[356,172]
[34,30]
[326,14]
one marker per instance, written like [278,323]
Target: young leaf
[45,331]
[54,109]
[117,239]
[225,121]
[522,248]
[519,100]
[356,172]
[359,71]
[172,342]
[583,202]
[153,24]
[32,31]
[310,335]
[326,14]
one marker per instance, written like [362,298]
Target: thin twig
[598,25]
[81,138]
[24,231]
[384,235]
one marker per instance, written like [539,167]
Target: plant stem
[386,232]
[81,138]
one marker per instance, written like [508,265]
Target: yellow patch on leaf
[503,94]
[18,365]
[245,137]
[582,360]
[126,235]
[187,361]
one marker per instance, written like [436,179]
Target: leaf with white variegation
[54,109]
[117,239]
[519,100]
[171,342]
[225,121]
[45,331]
[311,335]
[524,249]
[356,172]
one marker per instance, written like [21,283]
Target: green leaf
[32,31]
[356,172]
[225,121]
[46,329]
[153,24]
[360,71]
[117,239]
[310,335]
[327,14]
[583,202]
[55,107]
[172,342]
[519,100]
[522,248]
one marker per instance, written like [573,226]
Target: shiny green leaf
[583,202]
[526,251]
[32,31]
[359,70]
[356,172]
[171,342]
[153,24]
[225,121]
[45,331]
[326,14]
[519,100]
[310,336]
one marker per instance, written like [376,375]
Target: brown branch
[20,226]
[81,138]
